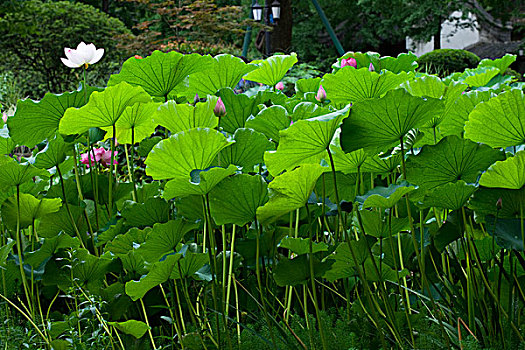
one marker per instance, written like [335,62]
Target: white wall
[461,39]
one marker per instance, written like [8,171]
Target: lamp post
[271,13]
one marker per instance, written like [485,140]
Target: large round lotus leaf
[452,159]
[348,163]
[180,154]
[499,122]
[273,69]
[305,141]
[379,124]
[236,199]
[131,327]
[14,174]
[248,149]
[385,197]
[485,202]
[34,121]
[353,85]
[509,173]
[380,226]
[376,164]
[103,109]
[135,123]
[31,209]
[200,183]
[180,117]
[270,121]
[450,196]
[291,272]
[456,117]
[159,273]
[307,85]
[290,191]
[426,86]
[501,63]
[161,72]
[479,76]
[52,155]
[239,108]
[49,247]
[307,110]
[227,73]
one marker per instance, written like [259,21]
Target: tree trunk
[281,36]
[437,36]
[105,6]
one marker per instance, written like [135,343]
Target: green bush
[447,61]
[34,34]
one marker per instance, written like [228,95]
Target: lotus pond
[185,207]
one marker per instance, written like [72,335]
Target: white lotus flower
[84,55]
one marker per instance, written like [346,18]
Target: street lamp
[273,10]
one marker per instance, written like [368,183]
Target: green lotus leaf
[181,117]
[227,73]
[247,151]
[343,260]
[307,110]
[508,232]
[509,173]
[385,197]
[452,159]
[159,273]
[425,86]
[103,109]
[206,181]
[348,163]
[392,247]
[190,207]
[60,221]
[501,63]
[160,73]
[303,86]
[456,117]
[163,239]
[485,202]
[15,174]
[154,210]
[122,244]
[5,250]
[302,245]
[270,121]
[180,154]
[290,191]
[375,225]
[376,164]
[31,209]
[345,186]
[382,123]
[89,270]
[239,108]
[7,145]
[500,122]
[49,247]
[189,265]
[131,327]
[355,85]
[305,141]
[52,155]
[452,196]
[35,121]
[273,69]
[135,123]
[291,272]
[236,199]
[404,62]
[479,76]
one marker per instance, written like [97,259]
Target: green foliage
[447,61]
[45,28]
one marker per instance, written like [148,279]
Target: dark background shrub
[34,34]
[447,61]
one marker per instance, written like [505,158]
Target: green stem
[20,249]
[147,323]
[111,167]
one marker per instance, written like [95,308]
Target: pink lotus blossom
[220,109]
[279,86]
[321,94]
[4,117]
[101,156]
[348,62]
[371,67]
[138,57]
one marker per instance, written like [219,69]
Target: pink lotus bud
[196,99]
[349,62]
[321,94]
[220,109]
[499,204]
[138,57]
[291,122]
[279,86]
[371,67]
[4,117]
